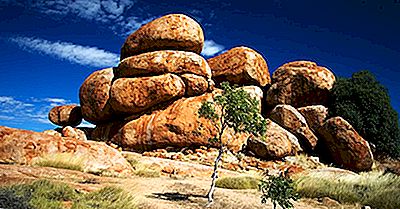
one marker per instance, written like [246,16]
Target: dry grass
[44,194]
[240,182]
[141,169]
[372,188]
[61,160]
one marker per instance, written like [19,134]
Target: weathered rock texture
[177,126]
[173,31]
[289,118]
[24,147]
[315,116]
[75,133]
[161,62]
[240,65]
[66,115]
[276,144]
[134,95]
[94,94]
[345,146]
[195,85]
[300,83]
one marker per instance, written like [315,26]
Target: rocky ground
[169,190]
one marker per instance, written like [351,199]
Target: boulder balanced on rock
[174,31]
[67,115]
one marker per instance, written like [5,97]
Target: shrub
[365,103]
[241,182]
[107,198]
[280,190]
[373,188]
[10,200]
[61,160]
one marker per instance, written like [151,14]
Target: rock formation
[299,84]
[345,146]
[276,144]
[240,65]
[24,147]
[67,115]
[174,31]
[151,100]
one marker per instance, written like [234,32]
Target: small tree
[280,190]
[233,108]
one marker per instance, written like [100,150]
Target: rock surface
[173,31]
[94,94]
[315,116]
[177,126]
[66,115]
[135,95]
[276,144]
[161,62]
[345,146]
[289,118]
[75,133]
[300,83]
[240,65]
[24,147]
[195,85]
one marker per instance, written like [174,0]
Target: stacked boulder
[151,99]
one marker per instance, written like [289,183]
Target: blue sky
[48,48]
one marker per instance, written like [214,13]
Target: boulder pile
[151,99]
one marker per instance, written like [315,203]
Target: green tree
[232,108]
[279,189]
[365,103]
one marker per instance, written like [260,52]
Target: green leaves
[365,103]
[280,190]
[239,111]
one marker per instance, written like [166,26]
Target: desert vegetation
[365,103]
[240,182]
[374,188]
[44,194]
[61,160]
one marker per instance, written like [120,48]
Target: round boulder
[170,32]
[66,115]
[299,84]
[345,146]
[94,95]
[240,65]
[134,95]
[161,62]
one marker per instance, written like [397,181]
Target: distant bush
[365,104]
[44,194]
[280,190]
[241,182]
[372,188]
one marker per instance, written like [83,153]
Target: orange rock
[178,126]
[161,62]
[345,146]
[195,85]
[277,143]
[300,83]
[315,115]
[135,95]
[66,115]
[24,147]
[290,119]
[173,31]
[94,95]
[75,133]
[53,133]
[240,65]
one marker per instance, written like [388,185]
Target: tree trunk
[214,177]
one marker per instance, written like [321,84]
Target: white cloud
[83,55]
[114,14]
[27,110]
[211,48]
